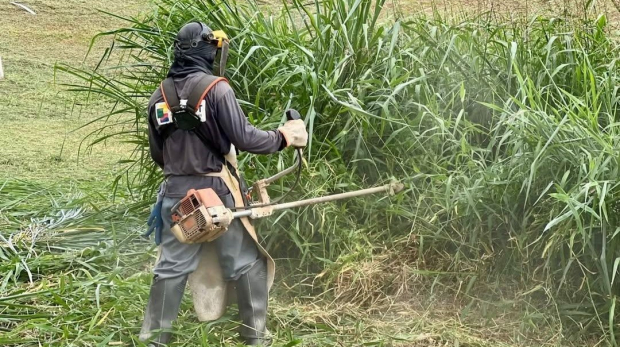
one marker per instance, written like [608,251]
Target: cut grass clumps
[505,133]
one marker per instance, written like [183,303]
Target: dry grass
[425,318]
[395,298]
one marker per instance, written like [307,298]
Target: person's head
[195,48]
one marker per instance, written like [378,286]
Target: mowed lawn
[39,135]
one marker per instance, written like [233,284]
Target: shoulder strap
[201,89]
[169,92]
[199,92]
[171,98]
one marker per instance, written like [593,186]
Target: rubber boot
[162,309]
[252,298]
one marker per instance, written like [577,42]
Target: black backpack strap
[199,92]
[171,97]
[201,89]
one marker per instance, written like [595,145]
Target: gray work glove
[294,132]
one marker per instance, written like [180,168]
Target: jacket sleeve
[240,132]
[156,143]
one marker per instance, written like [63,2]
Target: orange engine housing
[200,217]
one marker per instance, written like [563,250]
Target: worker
[203,155]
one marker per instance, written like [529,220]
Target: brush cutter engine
[200,217]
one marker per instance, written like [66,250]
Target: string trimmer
[202,217]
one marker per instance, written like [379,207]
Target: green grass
[41,139]
[450,263]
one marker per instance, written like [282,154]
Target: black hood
[191,52]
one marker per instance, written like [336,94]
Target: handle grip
[292,114]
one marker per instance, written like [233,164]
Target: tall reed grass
[506,134]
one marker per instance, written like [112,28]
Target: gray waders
[240,261]
[252,297]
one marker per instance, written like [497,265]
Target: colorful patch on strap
[162,113]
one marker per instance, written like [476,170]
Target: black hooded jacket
[183,156]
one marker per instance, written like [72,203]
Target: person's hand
[294,132]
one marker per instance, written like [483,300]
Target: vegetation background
[501,118]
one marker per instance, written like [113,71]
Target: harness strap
[199,92]
[232,174]
[169,92]
[201,89]
[231,179]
